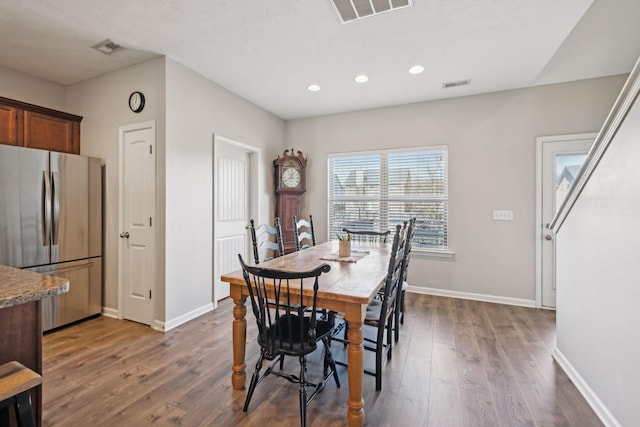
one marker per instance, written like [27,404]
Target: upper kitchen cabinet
[33,126]
[9,132]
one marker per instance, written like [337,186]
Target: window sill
[433,253]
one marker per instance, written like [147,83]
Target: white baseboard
[167,326]
[471,296]
[110,312]
[590,396]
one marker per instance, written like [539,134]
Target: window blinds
[377,190]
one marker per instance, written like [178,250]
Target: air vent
[351,10]
[107,47]
[447,85]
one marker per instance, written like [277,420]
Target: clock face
[136,102]
[291,177]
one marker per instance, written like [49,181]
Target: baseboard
[471,296]
[110,312]
[589,395]
[173,323]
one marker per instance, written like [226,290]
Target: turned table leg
[238,374]
[354,315]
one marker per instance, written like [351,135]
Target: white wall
[34,90]
[598,279]
[491,141]
[196,110]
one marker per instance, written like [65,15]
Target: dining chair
[286,328]
[406,257]
[266,241]
[367,236]
[381,316]
[304,234]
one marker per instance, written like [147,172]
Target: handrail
[616,116]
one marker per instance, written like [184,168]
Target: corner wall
[198,109]
[491,141]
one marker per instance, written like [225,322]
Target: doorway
[137,221]
[235,175]
[559,160]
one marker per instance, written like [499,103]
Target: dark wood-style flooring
[458,363]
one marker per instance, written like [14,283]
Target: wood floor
[458,363]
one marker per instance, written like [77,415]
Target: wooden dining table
[348,287]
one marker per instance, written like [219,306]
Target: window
[377,190]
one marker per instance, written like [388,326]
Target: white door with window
[560,159]
[232,207]
[137,243]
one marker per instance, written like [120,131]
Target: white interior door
[137,249]
[232,199]
[561,159]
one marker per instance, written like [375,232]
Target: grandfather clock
[290,181]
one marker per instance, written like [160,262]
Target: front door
[137,249]
[561,159]
[231,209]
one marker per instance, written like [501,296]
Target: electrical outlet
[503,215]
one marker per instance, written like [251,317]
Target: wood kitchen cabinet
[29,125]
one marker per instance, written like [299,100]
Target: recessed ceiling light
[313,88]
[416,69]
[361,78]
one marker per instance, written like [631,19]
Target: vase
[344,248]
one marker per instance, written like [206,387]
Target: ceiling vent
[107,47]
[351,10]
[447,85]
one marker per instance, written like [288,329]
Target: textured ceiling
[269,51]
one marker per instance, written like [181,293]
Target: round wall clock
[136,101]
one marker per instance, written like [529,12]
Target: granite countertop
[21,286]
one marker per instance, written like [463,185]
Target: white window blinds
[377,190]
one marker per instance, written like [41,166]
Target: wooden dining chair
[381,316]
[304,234]
[266,241]
[406,257]
[287,328]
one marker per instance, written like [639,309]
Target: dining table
[347,288]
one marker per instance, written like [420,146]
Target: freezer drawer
[84,298]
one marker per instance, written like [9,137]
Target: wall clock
[136,101]
[290,185]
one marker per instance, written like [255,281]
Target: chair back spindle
[304,234]
[266,241]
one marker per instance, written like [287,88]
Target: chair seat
[290,338]
[15,378]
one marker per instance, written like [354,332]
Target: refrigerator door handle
[46,208]
[56,208]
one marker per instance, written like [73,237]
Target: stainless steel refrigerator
[51,222]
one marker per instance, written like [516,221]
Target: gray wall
[491,141]
[598,281]
[103,102]
[17,85]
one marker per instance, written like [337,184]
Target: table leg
[354,315]
[238,374]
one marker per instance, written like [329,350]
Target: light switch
[503,215]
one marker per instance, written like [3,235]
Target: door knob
[548,237]
[124,235]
